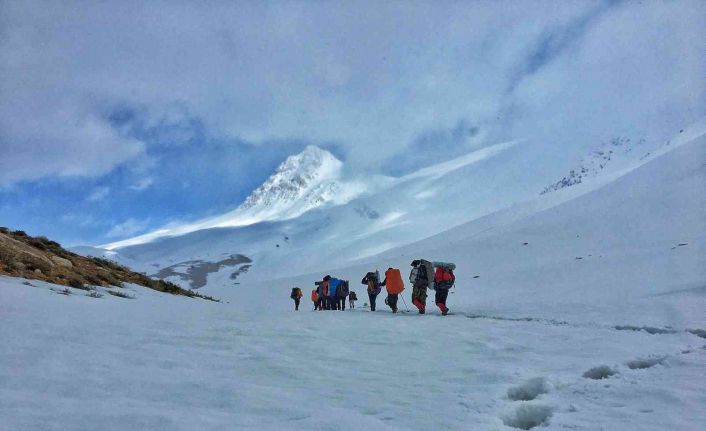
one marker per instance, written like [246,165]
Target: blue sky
[120,117]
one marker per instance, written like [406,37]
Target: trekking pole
[405,304]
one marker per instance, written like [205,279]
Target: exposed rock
[66,263]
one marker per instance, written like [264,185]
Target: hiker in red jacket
[444,280]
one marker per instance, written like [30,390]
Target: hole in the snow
[600,372]
[528,390]
[528,416]
[641,364]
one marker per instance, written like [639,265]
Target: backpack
[420,273]
[373,282]
[394,283]
[414,275]
[444,277]
[352,296]
[296,293]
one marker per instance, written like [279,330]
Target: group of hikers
[331,293]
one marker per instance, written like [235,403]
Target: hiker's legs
[440,299]
[392,301]
[372,298]
[343,304]
[296,304]
[419,298]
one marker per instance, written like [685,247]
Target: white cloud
[129,227]
[98,194]
[370,76]
[142,184]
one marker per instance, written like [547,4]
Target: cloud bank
[89,88]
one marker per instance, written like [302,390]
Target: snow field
[113,363]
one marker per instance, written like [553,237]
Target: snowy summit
[305,181]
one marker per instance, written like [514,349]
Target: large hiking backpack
[333,285]
[447,265]
[393,283]
[352,296]
[414,275]
[421,272]
[444,277]
[373,282]
[314,295]
[296,293]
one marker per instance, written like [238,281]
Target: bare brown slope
[42,259]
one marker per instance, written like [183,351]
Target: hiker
[444,280]
[420,277]
[372,280]
[394,285]
[333,285]
[326,303]
[315,298]
[352,297]
[319,295]
[296,295]
[342,294]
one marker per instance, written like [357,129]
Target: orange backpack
[314,296]
[394,281]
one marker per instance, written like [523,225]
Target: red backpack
[443,278]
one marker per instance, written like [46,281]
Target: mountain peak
[312,170]
[303,181]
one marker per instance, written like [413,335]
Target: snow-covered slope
[491,185]
[586,313]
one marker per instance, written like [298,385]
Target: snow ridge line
[701,333]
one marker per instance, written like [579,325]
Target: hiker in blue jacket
[333,285]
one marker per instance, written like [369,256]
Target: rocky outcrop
[39,258]
[66,263]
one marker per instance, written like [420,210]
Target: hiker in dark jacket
[342,295]
[296,295]
[352,298]
[420,277]
[319,305]
[372,280]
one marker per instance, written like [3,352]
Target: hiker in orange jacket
[325,293]
[394,285]
[315,298]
